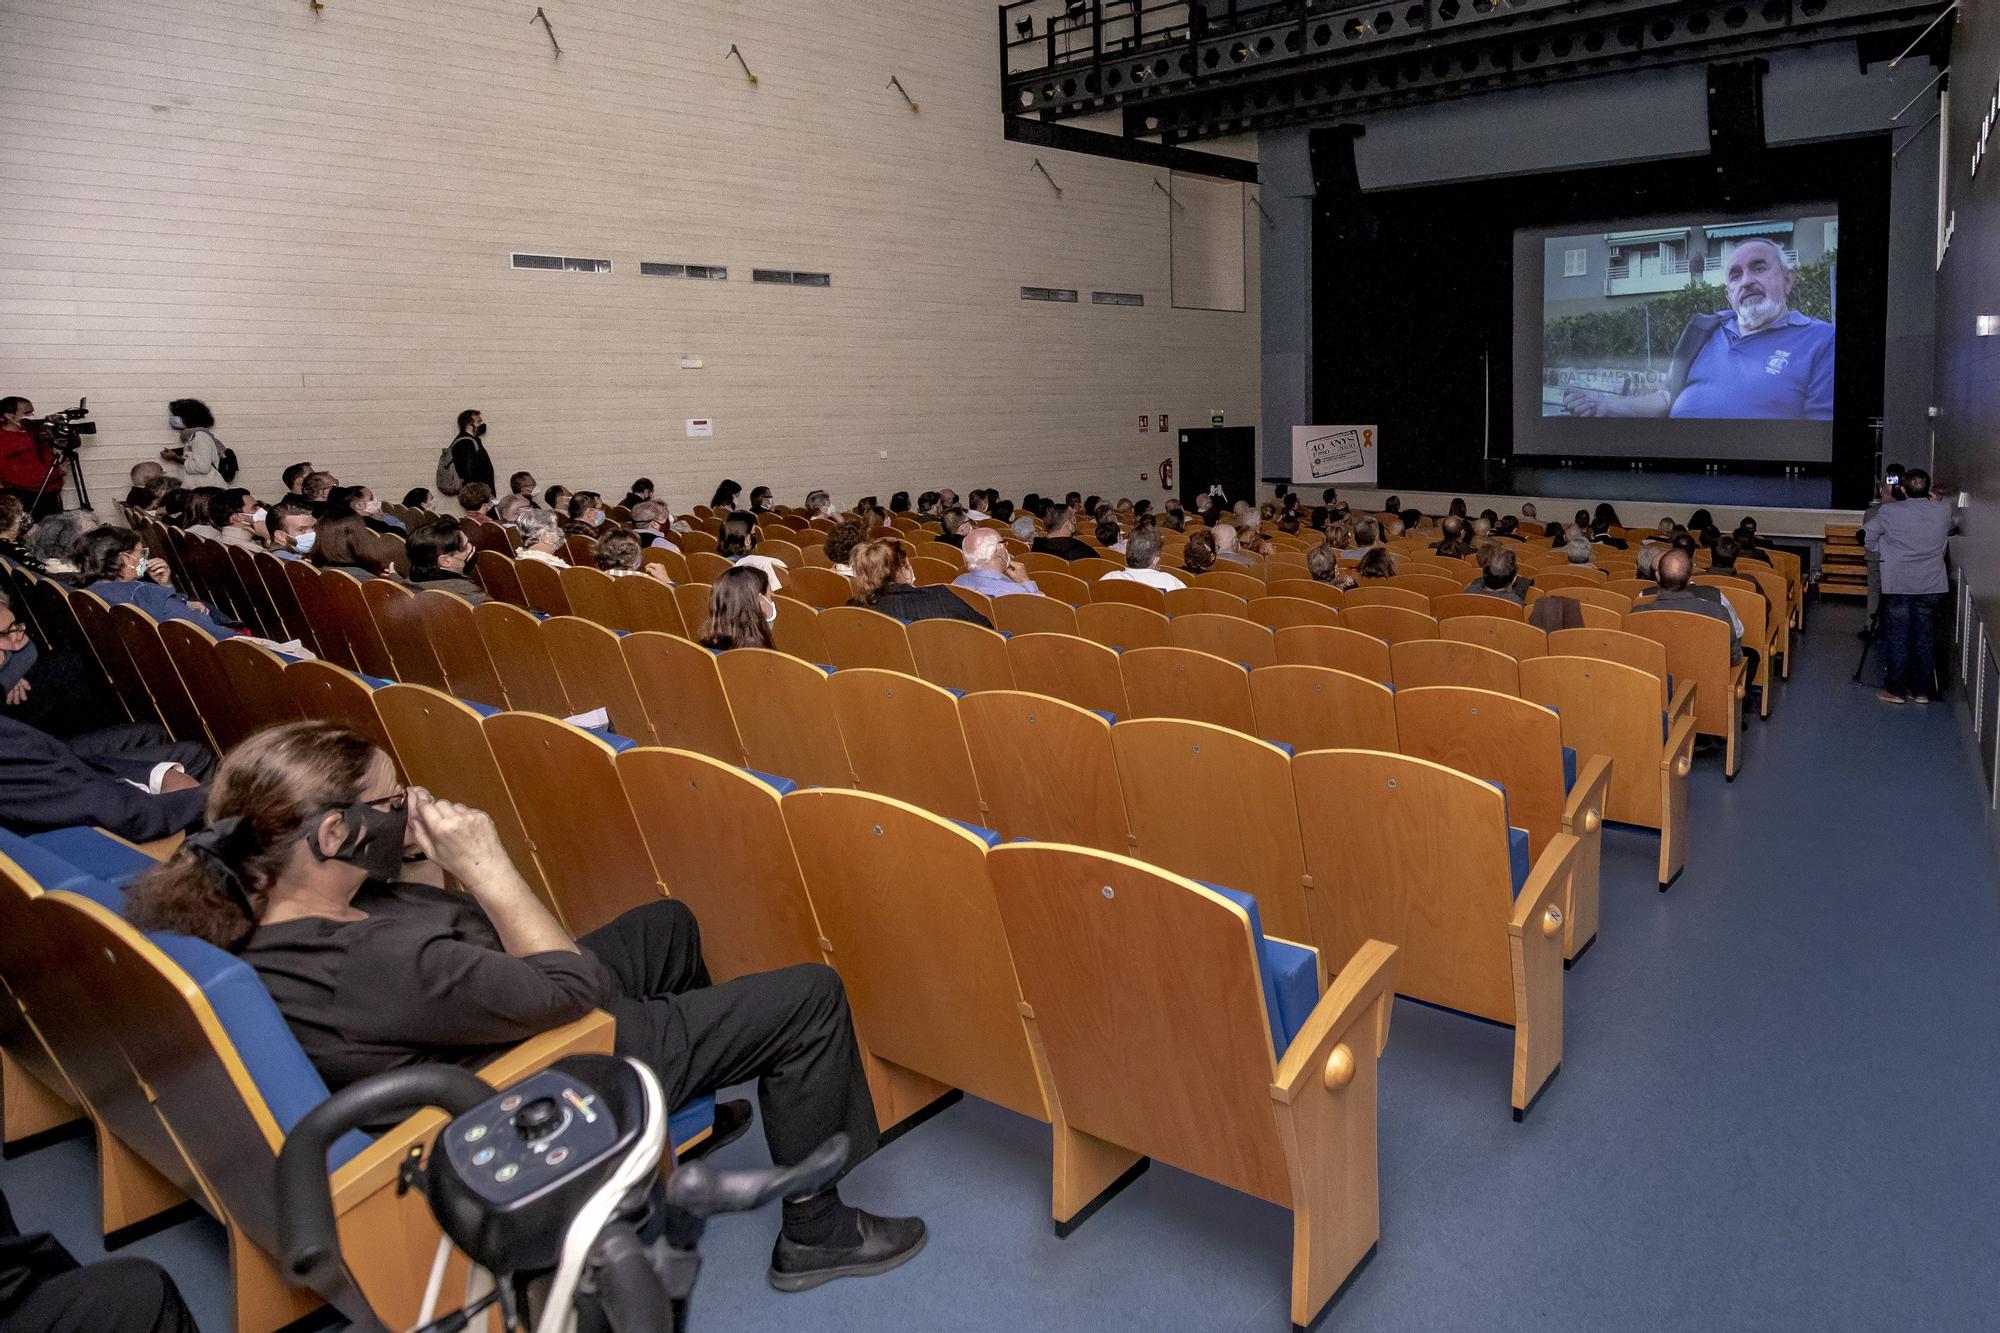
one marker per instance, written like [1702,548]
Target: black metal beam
[1045,134]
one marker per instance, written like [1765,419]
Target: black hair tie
[221,847]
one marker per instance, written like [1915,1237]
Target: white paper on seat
[597,719]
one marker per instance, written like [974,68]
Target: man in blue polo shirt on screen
[1761,359]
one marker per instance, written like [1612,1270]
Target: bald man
[1759,359]
[1677,593]
[990,569]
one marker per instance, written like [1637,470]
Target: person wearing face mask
[586,513]
[741,611]
[300,873]
[199,453]
[293,529]
[359,501]
[468,451]
[232,517]
[541,538]
[115,564]
[25,462]
[439,552]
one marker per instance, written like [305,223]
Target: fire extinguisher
[1166,474]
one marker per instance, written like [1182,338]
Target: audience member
[586,513]
[541,538]
[1323,563]
[1142,562]
[469,458]
[738,545]
[53,544]
[299,875]
[1451,541]
[1577,551]
[439,553]
[1110,540]
[956,524]
[229,517]
[475,498]
[741,611]
[841,540]
[1675,573]
[1228,545]
[199,453]
[989,569]
[1023,528]
[1647,560]
[725,495]
[114,564]
[420,497]
[1499,574]
[523,485]
[650,520]
[638,493]
[556,500]
[620,554]
[293,529]
[1909,537]
[1379,563]
[138,497]
[29,470]
[295,476]
[885,581]
[1061,539]
[760,500]
[350,546]
[44,1290]
[507,510]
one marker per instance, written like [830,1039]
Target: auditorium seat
[1382,592]
[1285,612]
[1046,769]
[1419,855]
[1233,637]
[459,648]
[1499,632]
[193,654]
[542,582]
[1391,624]
[1216,805]
[1143,987]
[595,676]
[139,635]
[1062,585]
[1426,585]
[1092,571]
[1320,708]
[330,693]
[398,616]
[931,573]
[1069,667]
[1125,592]
[784,715]
[1449,662]
[717,835]
[1124,625]
[442,746]
[960,655]
[592,594]
[1761,632]
[1612,709]
[1554,578]
[904,740]
[1338,646]
[93,618]
[583,829]
[1517,745]
[278,594]
[797,630]
[1186,683]
[496,573]
[858,636]
[256,677]
[646,604]
[1235,580]
[256,598]
[1310,590]
[1697,650]
[1475,604]
[520,657]
[927,969]
[307,588]
[347,606]
[821,588]
[1205,601]
[681,688]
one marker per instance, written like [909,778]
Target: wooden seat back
[308,590]
[193,654]
[1476,604]
[646,605]
[1499,737]
[1205,601]
[397,615]
[1615,645]
[1026,614]
[1276,613]
[784,713]
[521,659]
[1234,638]
[93,618]
[1128,593]
[1518,640]
[1337,646]
[680,686]
[248,568]
[1697,649]
[1063,586]
[1317,708]
[880,713]
[1092,570]
[1069,667]
[291,612]
[1391,624]
[1045,769]
[347,608]
[585,834]
[909,916]
[859,637]
[1381,592]
[140,636]
[594,675]
[1310,590]
[593,595]
[459,647]
[1236,580]
[797,631]
[442,746]
[543,586]
[329,693]
[1186,683]
[960,655]
[931,573]
[752,903]
[820,588]
[1243,831]
[1612,708]
[1122,625]
[256,677]
[1428,586]
[497,575]
[1449,662]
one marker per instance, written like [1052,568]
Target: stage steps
[1843,562]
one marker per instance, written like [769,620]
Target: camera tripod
[65,456]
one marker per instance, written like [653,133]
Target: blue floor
[1776,1109]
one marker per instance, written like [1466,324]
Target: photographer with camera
[28,467]
[1909,534]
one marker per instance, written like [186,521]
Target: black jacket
[1069,548]
[44,784]
[907,602]
[470,460]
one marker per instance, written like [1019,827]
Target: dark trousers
[130,749]
[1909,648]
[109,1296]
[788,1029]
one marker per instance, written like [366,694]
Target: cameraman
[25,461]
[1909,534]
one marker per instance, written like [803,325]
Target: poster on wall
[1333,455]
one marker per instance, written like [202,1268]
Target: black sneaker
[731,1119]
[886,1243]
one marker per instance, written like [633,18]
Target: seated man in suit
[1677,593]
[129,780]
[1061,539]
[1500,577]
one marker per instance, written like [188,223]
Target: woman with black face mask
[300,872]
[468,452]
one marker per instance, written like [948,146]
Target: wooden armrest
[1739,677]
[1546,883]
[1679,751]
[1683,702]
[1369,976]
[375,1166]
[1585,807]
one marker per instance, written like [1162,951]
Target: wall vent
[788,278]
[651,269]
[1049,294]
[562,263]
[1117,298]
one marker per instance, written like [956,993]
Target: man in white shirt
[1142,563]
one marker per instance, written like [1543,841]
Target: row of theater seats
[986,968]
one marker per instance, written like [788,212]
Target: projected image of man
[1760,359]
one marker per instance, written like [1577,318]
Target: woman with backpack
[203,460]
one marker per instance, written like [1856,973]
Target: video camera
[58,431]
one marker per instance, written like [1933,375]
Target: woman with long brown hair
[300,871]
[738,542]
[885,581]
[348,544]
[740,611]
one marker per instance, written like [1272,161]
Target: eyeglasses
[395,800]
[10,630]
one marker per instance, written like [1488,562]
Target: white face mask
[770,611]
[372,507]
[303,542]
[175,423]
[260,515]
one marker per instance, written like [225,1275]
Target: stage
[1711,489]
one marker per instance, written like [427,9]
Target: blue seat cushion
[1517,858]
[782,786]
[1291,980]
[484,710]
[271,1055]
[690,1120]
[985,835]
[42,865]
[612,738]
[374,682]
[1569,769]
[96,854]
